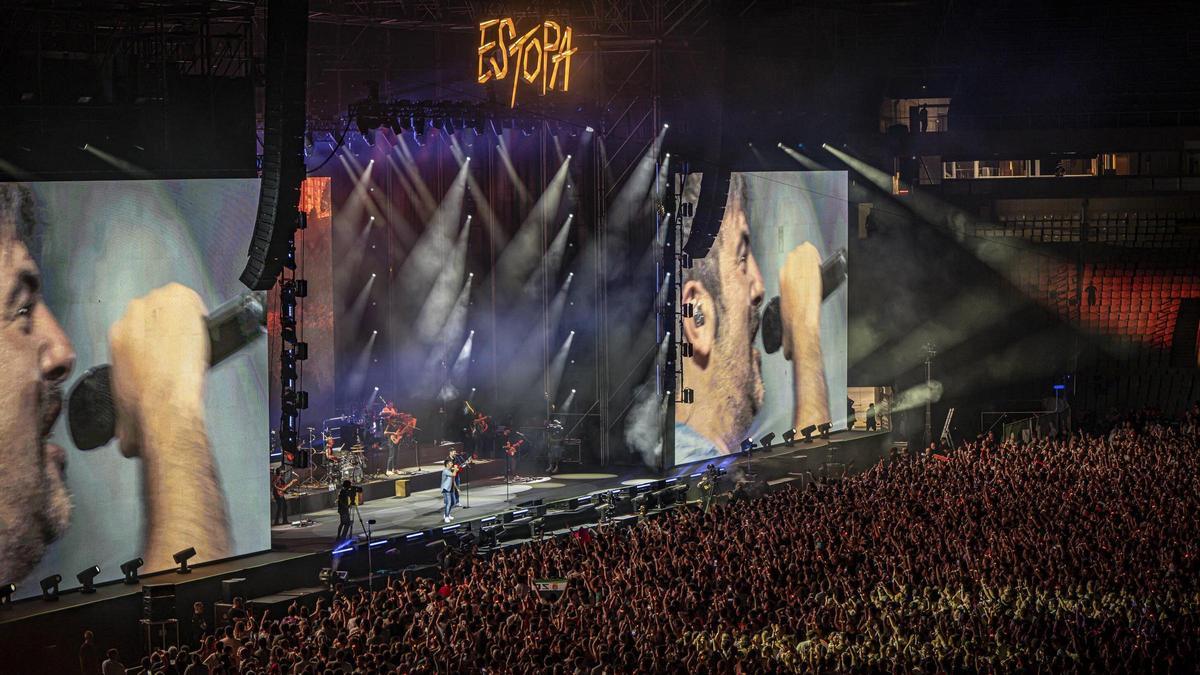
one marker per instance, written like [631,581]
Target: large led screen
[124,273]
[769,309]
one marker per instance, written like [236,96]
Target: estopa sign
[535,57]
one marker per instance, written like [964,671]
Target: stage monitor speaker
[233,588]
[283,142]
[158,602]
[221,613]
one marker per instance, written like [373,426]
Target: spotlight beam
[446,289]
[129,168]
[804,160]
[558,366]
[420,269]
[552,261]
[519,259]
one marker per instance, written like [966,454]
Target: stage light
[130,569]
[6,593]
[374,332]
[666,126]
[50,587]
[807,432]
[87,578]
[747,445]
[765,441]
[182,558]
[372,275]
[589,129]
[789,437]
[824,429]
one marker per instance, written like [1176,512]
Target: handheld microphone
[91,411]
[833,275]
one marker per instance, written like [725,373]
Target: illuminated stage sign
[536,55]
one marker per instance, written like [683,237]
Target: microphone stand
[466,484]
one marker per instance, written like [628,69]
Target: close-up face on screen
[769,337]
[124,273]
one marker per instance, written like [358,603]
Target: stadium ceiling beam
[600,19]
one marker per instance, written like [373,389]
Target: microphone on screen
[91,411]
[833,275]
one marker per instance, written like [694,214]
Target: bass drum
[353,473]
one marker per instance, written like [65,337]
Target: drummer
[330,456]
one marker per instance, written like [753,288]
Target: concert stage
[485,493]
[407,536]
[307,498]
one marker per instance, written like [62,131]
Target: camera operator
[345,500]
[708,484]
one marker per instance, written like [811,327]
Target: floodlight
[182,558]
[87,578]
[130,569]
[50,587]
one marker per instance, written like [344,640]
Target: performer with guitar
[452,466]
[283,480]
[402,427]
[394,429]
[476,430]
[512,445]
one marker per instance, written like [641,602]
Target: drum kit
[328,468]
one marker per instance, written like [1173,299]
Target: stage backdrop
[103,244]
[784,210]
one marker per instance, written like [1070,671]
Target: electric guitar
[398,435]
[512,448]
[280,488]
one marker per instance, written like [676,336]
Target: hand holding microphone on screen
[792,321]
[797,266]
[159,350]
[151,398]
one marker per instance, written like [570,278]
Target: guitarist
[459,460]
[391,433]
[283,480]
[512,445]
[403,427]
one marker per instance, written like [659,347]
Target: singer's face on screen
[35,358]
[726,289]
[738,362]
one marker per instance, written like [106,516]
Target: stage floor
[423,509]
[484,497]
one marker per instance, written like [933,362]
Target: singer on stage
[159,352]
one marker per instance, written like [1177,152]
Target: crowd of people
[1077,553]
